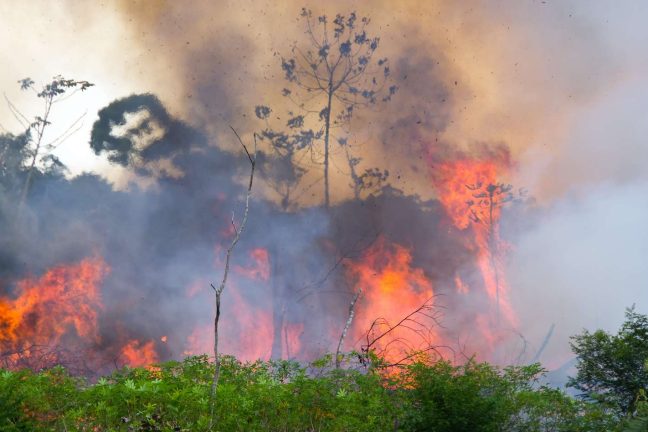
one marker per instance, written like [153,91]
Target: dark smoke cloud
[208,66]
[161,240]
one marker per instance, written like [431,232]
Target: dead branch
[346,326]
[415,322]
[219,291]
[426,306]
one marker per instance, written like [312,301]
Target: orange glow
[196,287]
[461,286]
[462,187]
[198,342]
[292,340]
[260,268]
[138,354]
[64,302]
[392,289]
[247,331]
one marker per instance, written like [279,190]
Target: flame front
[469,191]
[63,303]
[395,315]
[139,354]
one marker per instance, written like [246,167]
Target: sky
[563,84]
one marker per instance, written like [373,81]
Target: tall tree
[39,151]
[332,75]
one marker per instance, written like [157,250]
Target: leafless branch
[219,291]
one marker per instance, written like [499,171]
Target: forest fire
[259,268]
[249,333]
[469,191]
[139,354]
[396,316]
[62,305]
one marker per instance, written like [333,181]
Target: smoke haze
[559,90]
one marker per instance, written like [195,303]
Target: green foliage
[27,156]
[481,397]
[14,152]
[138,116]
[638,421]
[286,396]
[611,367]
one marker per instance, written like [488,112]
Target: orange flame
[64,301]
[462,187]
[260,268]
[392,290]
[138,354]
[247,332]
[292,340]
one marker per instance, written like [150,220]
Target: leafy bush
[481,397]
[612,367]
[286,396]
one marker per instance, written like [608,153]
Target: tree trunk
[217,363]
[346,328]
[218,291]
[327,128]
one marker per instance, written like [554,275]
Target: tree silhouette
[484,209]
[37,149]
[329,79]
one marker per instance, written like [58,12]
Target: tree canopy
[612,367]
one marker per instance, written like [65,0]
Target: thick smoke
[582,259]
[467,73]
[164,244]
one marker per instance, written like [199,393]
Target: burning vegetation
[400,291]
[306,256]
[372,269]
[402,296]
[50,317]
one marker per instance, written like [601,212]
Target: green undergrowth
[288,396]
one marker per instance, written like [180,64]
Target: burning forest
[123,275]
[402,205]
[121,302]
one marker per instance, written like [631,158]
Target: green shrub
[287,396]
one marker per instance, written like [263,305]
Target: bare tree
[330,78]
[39,150]
[219,291]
